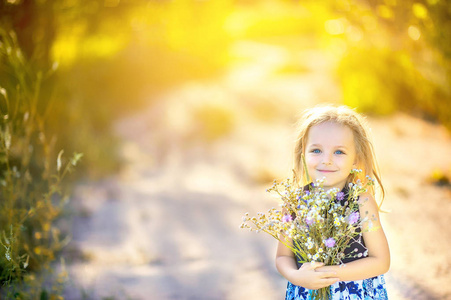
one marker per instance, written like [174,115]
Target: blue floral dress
[366,289]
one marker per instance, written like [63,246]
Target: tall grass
[31,177]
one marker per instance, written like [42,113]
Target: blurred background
[136,133]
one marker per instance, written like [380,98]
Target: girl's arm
[307,276]
[378,260]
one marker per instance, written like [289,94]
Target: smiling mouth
[326,171]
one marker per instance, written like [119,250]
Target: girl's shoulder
[367,198]
[368,203]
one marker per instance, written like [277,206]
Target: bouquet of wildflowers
[316,224]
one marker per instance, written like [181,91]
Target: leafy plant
[31,177]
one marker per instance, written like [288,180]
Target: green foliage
[268,19]
[31,193]
[382,85]
[398,57]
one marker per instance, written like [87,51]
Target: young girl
[334,141]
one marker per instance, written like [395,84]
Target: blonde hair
[343,115]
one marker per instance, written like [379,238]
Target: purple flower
[286,218]
[330,242]
[353,218]
[340,196]
[309,221]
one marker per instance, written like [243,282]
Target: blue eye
[316,151]
[339,152]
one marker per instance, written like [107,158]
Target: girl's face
[330,153]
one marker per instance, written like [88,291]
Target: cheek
[350,162]
[353,159]
[343,159]
[344,162]
[311,161]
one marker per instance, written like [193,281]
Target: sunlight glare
[414,33]
[335,26]
[420,11]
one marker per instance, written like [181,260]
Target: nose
[327,160]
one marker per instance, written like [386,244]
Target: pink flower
[330,242]
[353,218]
[340,196]
[309,221]
[286,218]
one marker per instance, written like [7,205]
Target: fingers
[314,265]
[310,278]
[329,281]
[324,282]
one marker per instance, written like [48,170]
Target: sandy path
[166,227]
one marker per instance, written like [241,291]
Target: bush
[398,58]
[31,174]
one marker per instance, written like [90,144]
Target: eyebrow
[318,145]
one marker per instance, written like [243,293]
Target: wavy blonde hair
[343,115]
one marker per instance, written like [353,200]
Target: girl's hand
[307,276]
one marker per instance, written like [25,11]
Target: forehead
[330,133]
